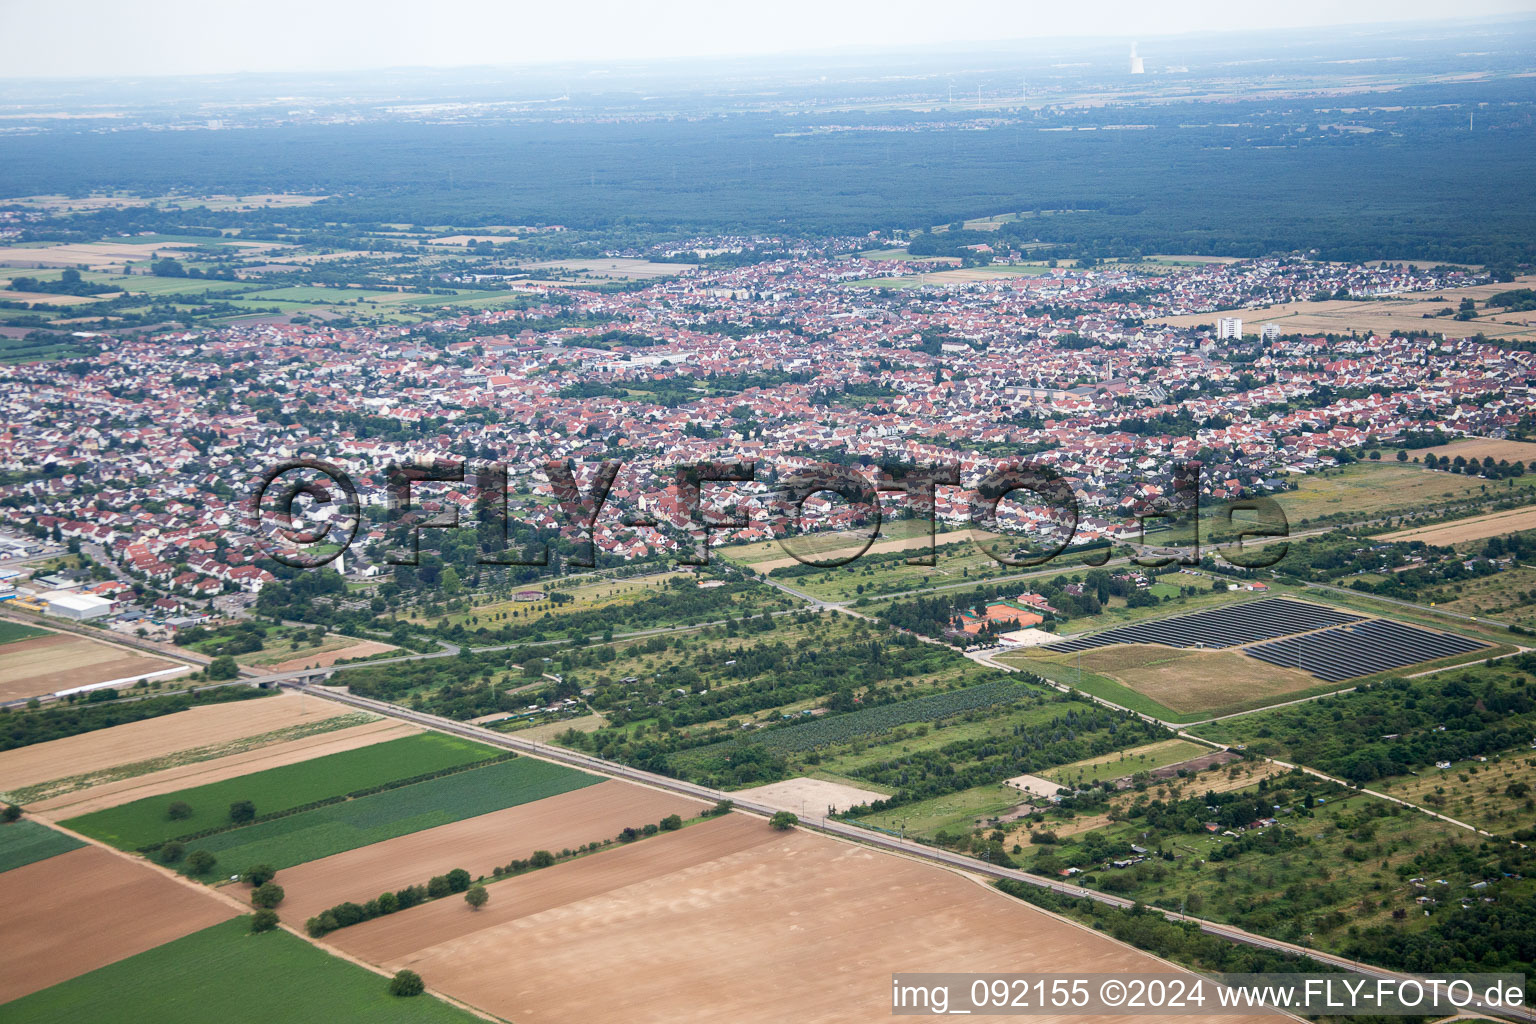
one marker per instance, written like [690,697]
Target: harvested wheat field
[88,908]
[725,921]
[59,661]
[1481,448]
[810,798]
[90,798]
[1459,531]
[478,845]
[156,737]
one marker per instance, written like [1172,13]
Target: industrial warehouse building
[74,605]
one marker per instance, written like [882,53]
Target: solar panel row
[1379,645]
[1218,627]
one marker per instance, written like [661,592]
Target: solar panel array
[1218,627]
[1379,645]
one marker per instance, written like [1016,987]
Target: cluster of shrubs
[458,880]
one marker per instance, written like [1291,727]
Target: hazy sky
[125,37]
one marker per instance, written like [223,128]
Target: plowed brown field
[477,845]
[155,737]
[727,921]
[88,908]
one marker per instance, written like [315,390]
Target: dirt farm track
[726,920]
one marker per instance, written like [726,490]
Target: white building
[1270,332]
[73,605]
[1229,327]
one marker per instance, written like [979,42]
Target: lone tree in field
[263,920]
[267,895]
[259,874]
[242,812]
[200,862]
[11,813]
[784,820]
[406,983]
[476,896]
[179,810]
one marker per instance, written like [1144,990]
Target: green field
[12,631]
[953,812]
[22,842]
[336,828]
[143,822]
[1126,762]
[227,974]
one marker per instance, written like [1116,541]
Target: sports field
[339,827]
[249,979]
[143,822]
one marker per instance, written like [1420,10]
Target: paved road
[841,829]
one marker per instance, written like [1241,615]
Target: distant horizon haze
[114,40]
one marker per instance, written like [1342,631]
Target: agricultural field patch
[1174,685]
[1376,490]
[811,797]
[192,729]
[145,822]
[1126,762]
[224,966]
[81,794]
[611,268]
[62,661]
[25,841]
[479,844]
[1480,448]
[86,908]
[339,827]
[706,888]
[1460,531]
[13,631]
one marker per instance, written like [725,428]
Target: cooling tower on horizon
[1138,67]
